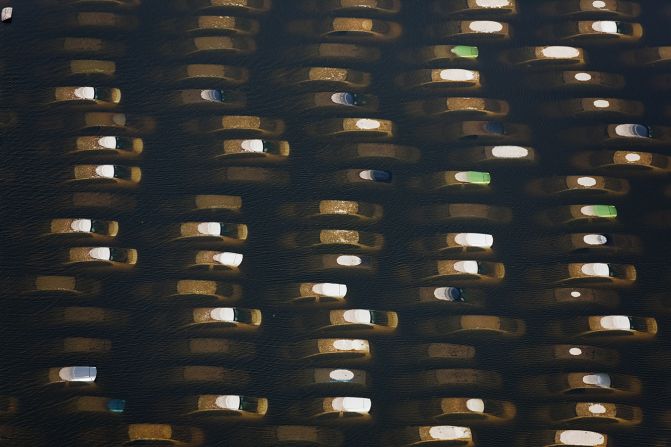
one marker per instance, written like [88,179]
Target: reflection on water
[335,222]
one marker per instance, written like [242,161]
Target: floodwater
[495,244]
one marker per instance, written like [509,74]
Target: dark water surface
[146,331]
